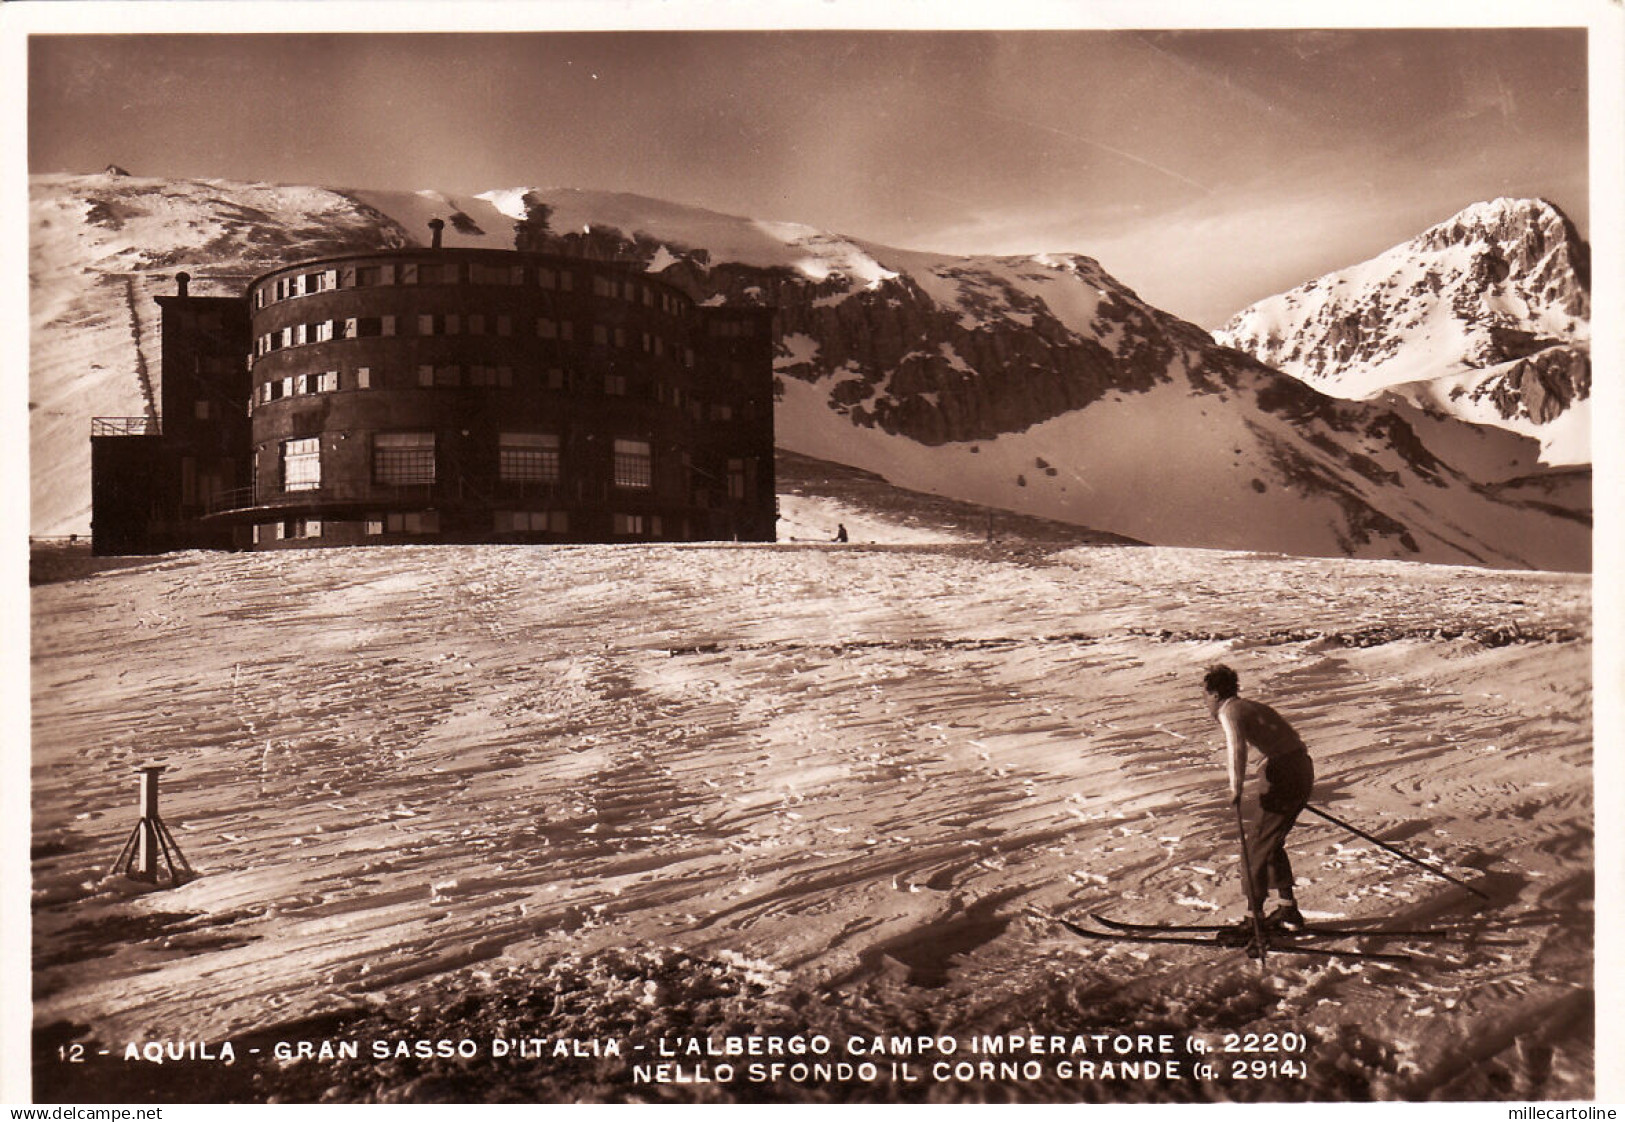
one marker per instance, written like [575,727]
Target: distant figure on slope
[840,531]
[1288,777]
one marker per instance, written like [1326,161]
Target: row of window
[461,272]
[455,374]
[501,326]
[403,459]
[420,522]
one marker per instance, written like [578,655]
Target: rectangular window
[555,378]
[403,458]
[567,331]
[363,377]
[448,375]
[547,278]
[736,479]
[301,528]
[546,329]
[413,522]
[628,523]
[615,385]
[476,324]
[425,375]
[409,273]
[388,325]
[600,335]
[504,325]
[620,336]
[634,464]
[438,325]
[567,280]
[531,522]
[375,526]
[528,457]
[302,464]
[367,276]
[200,410]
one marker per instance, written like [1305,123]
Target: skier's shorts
[1288,782]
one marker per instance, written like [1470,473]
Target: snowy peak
[124,223]
[1484,316]
[1527,239]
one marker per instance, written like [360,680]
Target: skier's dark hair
[1221,681]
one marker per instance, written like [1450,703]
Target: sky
[1205,169]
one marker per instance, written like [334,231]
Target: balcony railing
[125,426]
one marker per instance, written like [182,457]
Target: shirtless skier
[1288,777]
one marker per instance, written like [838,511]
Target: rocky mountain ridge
[1485,316]
[1035,384]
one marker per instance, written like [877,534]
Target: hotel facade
[445,395]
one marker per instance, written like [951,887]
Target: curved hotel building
[445,395]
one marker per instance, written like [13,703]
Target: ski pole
[1254,904]
[1332,818]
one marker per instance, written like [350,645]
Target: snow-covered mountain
[1035,384]
[1484,316]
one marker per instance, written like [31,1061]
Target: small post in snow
[151,839]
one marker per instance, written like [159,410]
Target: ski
[1320,930]
[1199,941]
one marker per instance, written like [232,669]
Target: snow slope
[646,793]
[1228,481]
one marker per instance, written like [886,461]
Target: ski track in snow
[864,765]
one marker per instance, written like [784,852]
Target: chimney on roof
[435,225]
[181,281]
